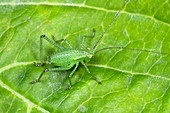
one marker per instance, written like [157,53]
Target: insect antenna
[121,47]
[109,25]
[130,49]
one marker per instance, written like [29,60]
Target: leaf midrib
[93,65]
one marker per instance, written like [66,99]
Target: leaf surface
[132,81]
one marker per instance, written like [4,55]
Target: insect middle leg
[90,73]
[53,69]
[71,75]
[62,40]
[82,47]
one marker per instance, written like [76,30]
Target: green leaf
[132,81]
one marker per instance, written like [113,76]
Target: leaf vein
[22,97]
[133,73]
[82,5]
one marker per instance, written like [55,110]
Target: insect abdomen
[67,56]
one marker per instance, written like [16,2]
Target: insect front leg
[61,40]
[90,73]
[82,47]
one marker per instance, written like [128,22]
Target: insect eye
[90,56]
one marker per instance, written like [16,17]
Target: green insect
[66,58]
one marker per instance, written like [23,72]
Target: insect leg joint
[42,36]
[46,70]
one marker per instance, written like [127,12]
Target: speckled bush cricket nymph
[66,58]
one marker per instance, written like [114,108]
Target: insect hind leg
[53,69]
[33,82]
[61,40]
[82,47]
[41,43]
[38,65]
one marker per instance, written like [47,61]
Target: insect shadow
[67,58]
